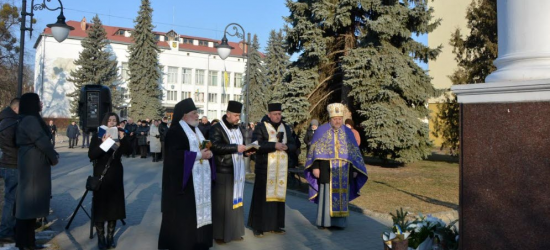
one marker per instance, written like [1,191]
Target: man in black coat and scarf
[227,199]
[267,210]
[186,184]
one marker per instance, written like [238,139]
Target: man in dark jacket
[8,169]
[309,134]
[267,209]
[163,128]
[227,195]
[205,126]
[73,133]
[130,129]
[53,129]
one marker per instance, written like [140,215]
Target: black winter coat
[8,126]
[266,147]
[205,129]
[163,129]
[131,128]
[109,201]
[142,139]
[35,158]
[221,147]
[73,131]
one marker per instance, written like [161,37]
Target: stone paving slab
[143,188]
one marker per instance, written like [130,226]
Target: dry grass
[428,186]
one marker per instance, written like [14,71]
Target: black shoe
[258,234]
[279,231]
[219,242]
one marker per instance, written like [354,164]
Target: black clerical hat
[274,107]
[188,105]
[183,107]
[234,106]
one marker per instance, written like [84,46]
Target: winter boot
[100,227]
[110,234]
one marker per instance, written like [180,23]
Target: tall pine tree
[361,53]
[95,65]
[258,95]
[276,63]
[144,68]
[475,55]
[390,90]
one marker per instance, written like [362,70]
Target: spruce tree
[276,61]
[95,65]
[144,68]
[390,90]
[258,92]
[475,55]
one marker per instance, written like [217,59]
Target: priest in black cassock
[227,195]
[267,209]
[186,184]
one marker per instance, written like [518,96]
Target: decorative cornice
[512,91]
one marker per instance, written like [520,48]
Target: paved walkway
[143,187]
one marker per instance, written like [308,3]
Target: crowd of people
[204,169]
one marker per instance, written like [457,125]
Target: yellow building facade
[453,15]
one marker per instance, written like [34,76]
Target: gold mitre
[335,109]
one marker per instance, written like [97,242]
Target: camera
[94,103]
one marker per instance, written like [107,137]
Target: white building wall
[54,61]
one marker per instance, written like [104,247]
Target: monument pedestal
[505,137]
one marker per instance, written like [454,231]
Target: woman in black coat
[108,201]
[36,155]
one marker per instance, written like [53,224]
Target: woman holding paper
[108,202]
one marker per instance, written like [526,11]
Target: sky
[187,17]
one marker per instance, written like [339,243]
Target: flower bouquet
[424,232]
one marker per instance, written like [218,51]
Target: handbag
[93,183]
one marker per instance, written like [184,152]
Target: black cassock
[179,219]
[266,216]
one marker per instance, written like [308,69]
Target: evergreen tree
[276,61]
[390,90]
[95,65]
[258,92]
[144,68]
[475,55]
[323,31]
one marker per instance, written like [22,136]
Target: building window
[188,40]
[119,33]
[225,98]
[185,76]
[213,76]
[238,81]
[203,43]
[199,96]
[172,75]
[212,97]
[201,112]
[171,95]
[200,77]
[185,94]
[124,93]
[238,98]
[212,114]
[125,72]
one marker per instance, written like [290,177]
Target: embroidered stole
[277,167]
[235,137]
[339,181]
[202,181]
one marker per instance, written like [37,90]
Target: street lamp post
[60,31]
[224,50]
